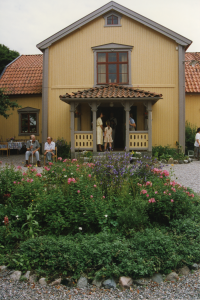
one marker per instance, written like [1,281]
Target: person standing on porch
[99,132]
[49,148]
[108,136]
[132,124]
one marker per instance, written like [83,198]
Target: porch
[108,97]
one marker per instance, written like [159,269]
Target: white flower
[80,228]
[71,173]
[106,216]
[81,175]
[83,213]
[17,216]
[65,175]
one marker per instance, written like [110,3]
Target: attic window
[112,19]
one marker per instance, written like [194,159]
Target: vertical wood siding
[154,67]
[10,127]
[192,108]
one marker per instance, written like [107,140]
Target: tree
[6,56]
[6,104]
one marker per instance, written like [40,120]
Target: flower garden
[101,219]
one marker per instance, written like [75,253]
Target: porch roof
[112,92]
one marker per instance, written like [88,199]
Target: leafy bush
[63,148]
[190,132]
[104,219]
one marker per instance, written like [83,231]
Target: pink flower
[18,182]
[24,174]
[169,194]
[27,180]
[38,175]
[164,192]
[14,182]
[191,195]
[77,166]
[89,175]
[73,180]
[47,169]
[147,195]
[91,196]
[95,185]
[165,172]
[0,162]
[104,197]
[64,170]
[22,179]
[156,192]
[65,160]
[149,183]
[50,163]
[78,191]
[60,158]
[152,200]
[31,180]
[172,200]
[19,167]
[74,159]
[143,192]
[161,176]
[173,189]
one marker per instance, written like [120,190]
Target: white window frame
[112,48]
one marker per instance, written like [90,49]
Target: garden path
[186,174]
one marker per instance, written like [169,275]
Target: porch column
[72,110]
[127,109]
[94,112]
[149,109]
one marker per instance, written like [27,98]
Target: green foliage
[166,152]
[6,104]
[63,148]
[104,219]
[190,132]
[6,56]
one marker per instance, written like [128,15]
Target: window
[28,121]
[112,19]
[112,64]
[112,67]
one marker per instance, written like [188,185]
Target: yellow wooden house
[113,60]
[192,88]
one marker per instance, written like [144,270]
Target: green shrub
[63,148]
[190,132]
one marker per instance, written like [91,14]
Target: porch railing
[138,140]
[83,140]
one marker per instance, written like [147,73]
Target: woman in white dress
[99,132]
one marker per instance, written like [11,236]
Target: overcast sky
[25,23]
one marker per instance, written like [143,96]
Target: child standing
[108,136]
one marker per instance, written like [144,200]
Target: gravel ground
[186,174]
[187,287]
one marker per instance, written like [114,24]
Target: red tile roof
[192,74]
[111,91]
[23,75]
